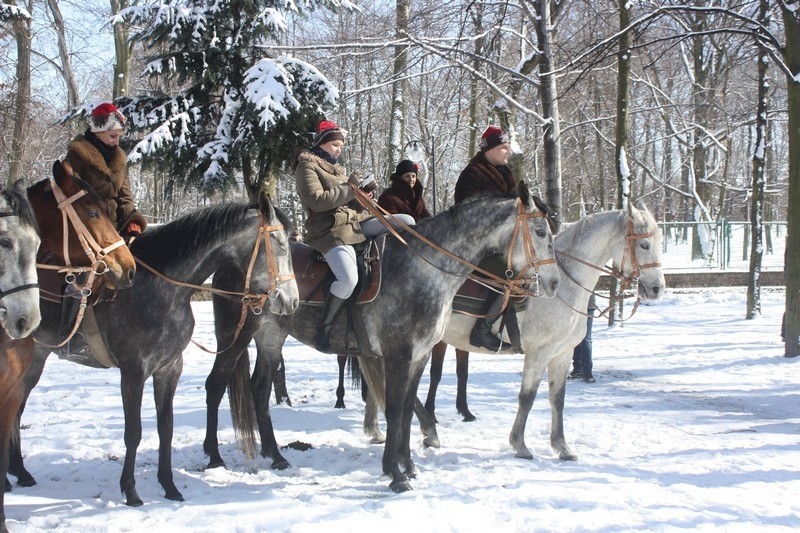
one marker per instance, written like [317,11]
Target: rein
[25,287]
[630,281]
[516,286]
[253,302]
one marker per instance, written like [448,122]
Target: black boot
[76,347]
[481,334]
[331,307]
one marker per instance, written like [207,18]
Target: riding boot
[481,334]
[330,309]
[77,346]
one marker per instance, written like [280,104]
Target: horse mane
[18,202]
[181,238]
[455,213]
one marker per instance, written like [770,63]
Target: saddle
[314,277]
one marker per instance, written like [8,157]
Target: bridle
[510,285]
[26,286]
[629,281]
[252,302]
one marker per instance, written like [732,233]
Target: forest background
[691,107]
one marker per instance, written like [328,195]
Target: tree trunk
[757,196]
[397,117]
[122,65]
[791,24]
[624,179]
[551,143]
[22,101]
[73,95]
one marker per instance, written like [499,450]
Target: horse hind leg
[531,377]
[557,371]
[371,428]
[261,382]
[342,361]
[462,375]
[437,363]
[165,382]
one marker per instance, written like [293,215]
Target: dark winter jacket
[332,215]
[481,177]
[109,179]
[401,199]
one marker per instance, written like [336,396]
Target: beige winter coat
[333,218]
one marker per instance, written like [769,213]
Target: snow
[692,424]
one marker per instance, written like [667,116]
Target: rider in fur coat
[98,159]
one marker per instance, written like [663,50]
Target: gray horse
[399,327]
[550,329]
[147,328]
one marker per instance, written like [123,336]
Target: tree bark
[22,100]
[122,49]
[791,24]
[397,118]
[757,196]
[73,95]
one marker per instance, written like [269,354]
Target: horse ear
[524,193]
[641,205]
[265,204]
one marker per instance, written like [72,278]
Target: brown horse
[92,243]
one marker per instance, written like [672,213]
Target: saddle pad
[311,275]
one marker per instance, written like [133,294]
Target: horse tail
[355,372]
[243,407]
[373,371]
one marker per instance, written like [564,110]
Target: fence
[720,245]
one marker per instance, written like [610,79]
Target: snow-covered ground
[693,423]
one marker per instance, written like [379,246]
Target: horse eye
[6,243]
[94,213]
[645,245]
[541,233]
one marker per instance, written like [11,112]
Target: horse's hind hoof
[432,442]
[401,486]
[568,457]
[134,501]
[174,495]
[215,464]
[281,464]
[25,481]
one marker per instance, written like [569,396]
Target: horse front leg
[397,375]
[437,363]
[342,361]
[165,382]
[268,362]
[557,371]
[132,389]
[409,402]
[532,373]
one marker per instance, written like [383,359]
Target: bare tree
[21,25]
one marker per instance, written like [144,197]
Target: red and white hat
[328,131]
[493,136]
[106,117]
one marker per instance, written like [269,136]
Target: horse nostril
[554,285]
[22,324]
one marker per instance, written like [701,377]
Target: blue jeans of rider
[582,356]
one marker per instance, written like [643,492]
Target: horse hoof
[469,417]
[524,455]
[215,464]
[134,501]
[281,464]
[569,456]
[8,485]
[175,496]
[26,481]
[400,486]
[431,442]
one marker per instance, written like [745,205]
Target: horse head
[92,240]
[284,296]
[639,259]
[19,241]
[539,254]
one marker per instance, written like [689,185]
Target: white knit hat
[106,117]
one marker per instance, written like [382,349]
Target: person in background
[334,220]
[582,354]
[488,172]
[97,158]
[404,196]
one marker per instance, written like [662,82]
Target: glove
[355,178]
[133,229]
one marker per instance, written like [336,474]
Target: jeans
[582,354]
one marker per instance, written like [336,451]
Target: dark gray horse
[147,328]
[399,327]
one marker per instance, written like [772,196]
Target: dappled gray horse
[399,327]
[147,328]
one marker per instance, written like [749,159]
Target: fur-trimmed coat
[110,180]
[333,217]
[481,177]
[401,199]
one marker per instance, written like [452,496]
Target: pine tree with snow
[242,111]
